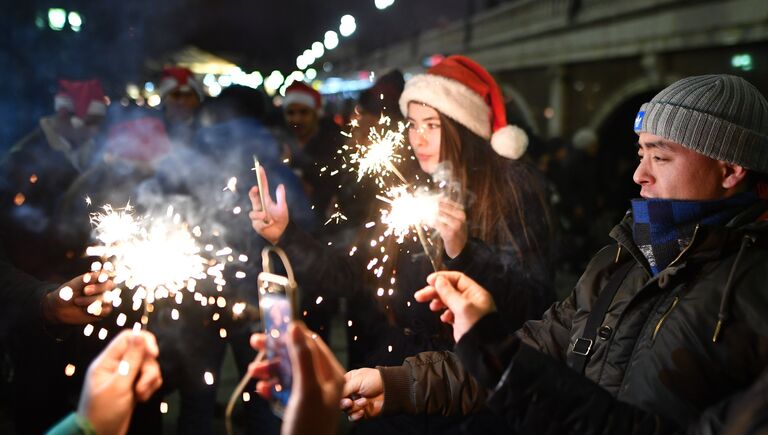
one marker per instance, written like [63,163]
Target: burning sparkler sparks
[380,157]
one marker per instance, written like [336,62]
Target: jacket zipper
[693,237]
[664,317]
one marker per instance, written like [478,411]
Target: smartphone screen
[276,315]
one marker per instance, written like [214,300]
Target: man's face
[302,120]
[180,105]
[667,170]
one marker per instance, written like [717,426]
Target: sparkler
[378,158]
[260,185]
[409,211]
[157,258]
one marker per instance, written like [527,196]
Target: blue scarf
[664,227]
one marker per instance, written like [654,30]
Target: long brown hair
[499,191]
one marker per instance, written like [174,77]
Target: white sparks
[208,377]
[66,293]
[124,368]
[69,370]
[163,408]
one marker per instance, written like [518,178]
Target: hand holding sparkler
[271,220]
[124,373]
[451,223]
[80,300]
[464,301]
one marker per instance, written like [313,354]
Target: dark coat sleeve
[431,383]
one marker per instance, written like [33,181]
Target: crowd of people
[459,330]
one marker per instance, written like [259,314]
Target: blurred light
[331,40]
[273,82]
[383,4]
[214,90]
[335,85]
[225,81]
[347,26]
[132,90]
[252,80]
[742,61]
[283,89]
[39,22]
[153,100]
[309,57]
[209,80]
[311,74]
[327,67]
[318,50]
[57,18]
[297,76]
[149,87]
[75,21]
[300,62]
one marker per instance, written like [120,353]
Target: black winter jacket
[675,352]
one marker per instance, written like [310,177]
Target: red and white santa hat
[464,91]
[301,93]
[177,77]
[82,98]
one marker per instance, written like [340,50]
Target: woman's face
[424,135]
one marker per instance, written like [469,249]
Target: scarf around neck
[662,228]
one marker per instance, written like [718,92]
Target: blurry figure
[316,141]
[318,379]
[36,172]
[181,95]
[126,372]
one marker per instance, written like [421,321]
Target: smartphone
[276,306]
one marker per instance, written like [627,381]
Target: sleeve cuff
[486,349]
[398,390]
[463,260]
[72,424]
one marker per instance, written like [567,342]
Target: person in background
[36,172]
[664,332]
[125,373]
[181,96]
[316,141]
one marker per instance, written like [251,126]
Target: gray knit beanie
[720,116]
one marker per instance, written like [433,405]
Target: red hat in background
[464,91]
[81,97]
[142,139]
[176,77]
[301,93]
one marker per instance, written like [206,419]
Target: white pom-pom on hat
[510,141]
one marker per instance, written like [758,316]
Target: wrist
[46,305]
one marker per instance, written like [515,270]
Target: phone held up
[277,302]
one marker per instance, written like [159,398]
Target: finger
[281,203]
[447,317]
[356,415]
[149,381]
[152,348]
[345,403]
[97,289]
[264,389]
[426,294]
[259,369]
[300,351]
[352,383]
[328,367]
[84,301]
[452,210]
[459,280]
[448,294]
[258,341]
[436,305]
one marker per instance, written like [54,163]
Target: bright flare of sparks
[156,257]
[379,157]
[406,211]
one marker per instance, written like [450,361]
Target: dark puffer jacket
[674,352]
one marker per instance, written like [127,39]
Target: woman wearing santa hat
[500,232]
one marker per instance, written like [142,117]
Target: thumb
[126,352]
[301,356]
[448,294]
[281,202]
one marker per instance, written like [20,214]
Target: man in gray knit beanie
[665,331]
